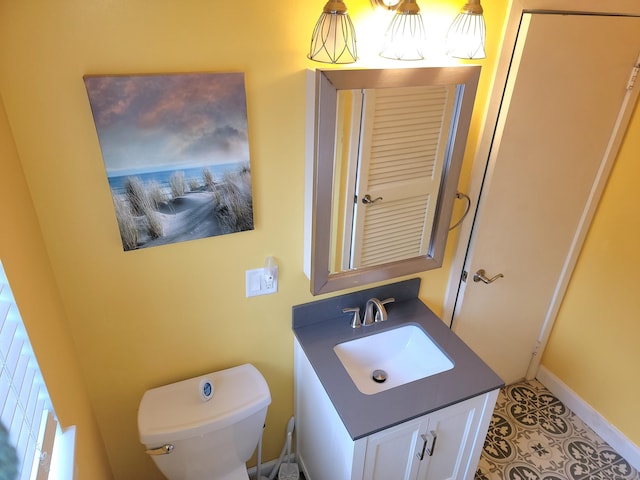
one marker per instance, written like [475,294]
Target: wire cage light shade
[334,38]
[467,33]
[386,4]
[405,37]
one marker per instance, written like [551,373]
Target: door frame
[483,165]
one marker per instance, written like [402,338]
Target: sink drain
[379,376]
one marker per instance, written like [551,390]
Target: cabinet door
[391,454]
[456,431]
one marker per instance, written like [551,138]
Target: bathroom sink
[391,358]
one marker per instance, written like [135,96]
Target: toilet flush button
[206,389]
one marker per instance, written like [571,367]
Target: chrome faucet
[374,312]
[355,319]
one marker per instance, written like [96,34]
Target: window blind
[25,406]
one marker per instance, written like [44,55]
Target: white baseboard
[610,434]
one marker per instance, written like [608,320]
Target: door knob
[479,276]
[367,200]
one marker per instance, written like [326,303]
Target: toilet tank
[229,424]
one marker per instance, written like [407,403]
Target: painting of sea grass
[176,153]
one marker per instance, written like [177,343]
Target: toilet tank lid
[176,411]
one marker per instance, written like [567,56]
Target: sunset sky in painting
[165,122]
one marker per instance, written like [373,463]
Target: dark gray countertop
[319,326]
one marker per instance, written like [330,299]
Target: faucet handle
[355,320]
[381,313]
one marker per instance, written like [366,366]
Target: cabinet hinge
[634,75]
[464,275]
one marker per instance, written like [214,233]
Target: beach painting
[176,153]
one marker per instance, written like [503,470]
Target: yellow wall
[25,260]
[593,347]
[144,318]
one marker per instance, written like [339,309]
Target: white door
[565,88]
[403,147]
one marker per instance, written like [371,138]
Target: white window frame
[43,450]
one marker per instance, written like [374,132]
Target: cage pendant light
[467,33]
[405,37]
[386,4]
[334,38]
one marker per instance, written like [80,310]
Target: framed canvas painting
[176,153]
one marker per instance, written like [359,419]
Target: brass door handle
[479,276]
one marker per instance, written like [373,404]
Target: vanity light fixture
[405,37]
[386,4]
[467,33]
[334,38]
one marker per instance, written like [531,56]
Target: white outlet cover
[256,283]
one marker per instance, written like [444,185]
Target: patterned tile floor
[534,436]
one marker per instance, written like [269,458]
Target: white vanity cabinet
[444,444]
[441,445]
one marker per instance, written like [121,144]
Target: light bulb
[467,33]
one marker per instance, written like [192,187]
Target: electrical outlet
[256,283]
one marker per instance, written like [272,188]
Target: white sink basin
[400,356]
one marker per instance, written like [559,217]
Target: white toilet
[191,438]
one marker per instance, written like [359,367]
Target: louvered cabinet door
[402,151]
